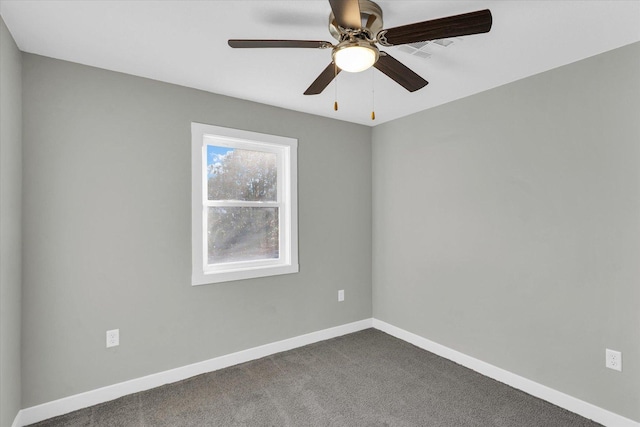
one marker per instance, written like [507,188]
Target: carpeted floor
[363,379]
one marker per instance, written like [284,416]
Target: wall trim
[17,421]
[533,388]
[68,404]
[65,405]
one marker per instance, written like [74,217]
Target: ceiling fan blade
[452,26]
[400,73]
[347,13]
[323,80]
[313,44]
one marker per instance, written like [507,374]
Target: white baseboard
[17,421]
[73,403]
[558,398]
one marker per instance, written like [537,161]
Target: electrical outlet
[613,360]
[113,338]
[341,295]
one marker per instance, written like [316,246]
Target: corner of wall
[10,227]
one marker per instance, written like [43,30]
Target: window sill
[246,273]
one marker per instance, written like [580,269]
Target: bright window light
[244,206]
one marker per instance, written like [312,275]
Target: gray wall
[10,224]
[107,230]
[507,226]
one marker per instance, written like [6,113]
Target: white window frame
[287,204]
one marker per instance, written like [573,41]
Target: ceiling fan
[358,27]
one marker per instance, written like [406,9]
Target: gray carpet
[363,379]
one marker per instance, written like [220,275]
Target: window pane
[242,234]
[235,174]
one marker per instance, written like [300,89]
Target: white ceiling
[185,42]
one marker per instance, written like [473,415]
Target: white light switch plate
[341,295]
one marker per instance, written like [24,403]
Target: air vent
[418,45]
[443,42]
[429,48]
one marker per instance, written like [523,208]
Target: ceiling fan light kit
[355,56]
[358,27]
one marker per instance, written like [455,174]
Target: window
[244,219]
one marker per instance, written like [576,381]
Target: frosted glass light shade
[355,58]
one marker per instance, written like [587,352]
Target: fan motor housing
[371,15]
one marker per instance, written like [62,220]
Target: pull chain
[335,79]
[373,95]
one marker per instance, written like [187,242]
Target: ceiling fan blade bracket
[381,38]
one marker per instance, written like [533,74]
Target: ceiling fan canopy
[357,25]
